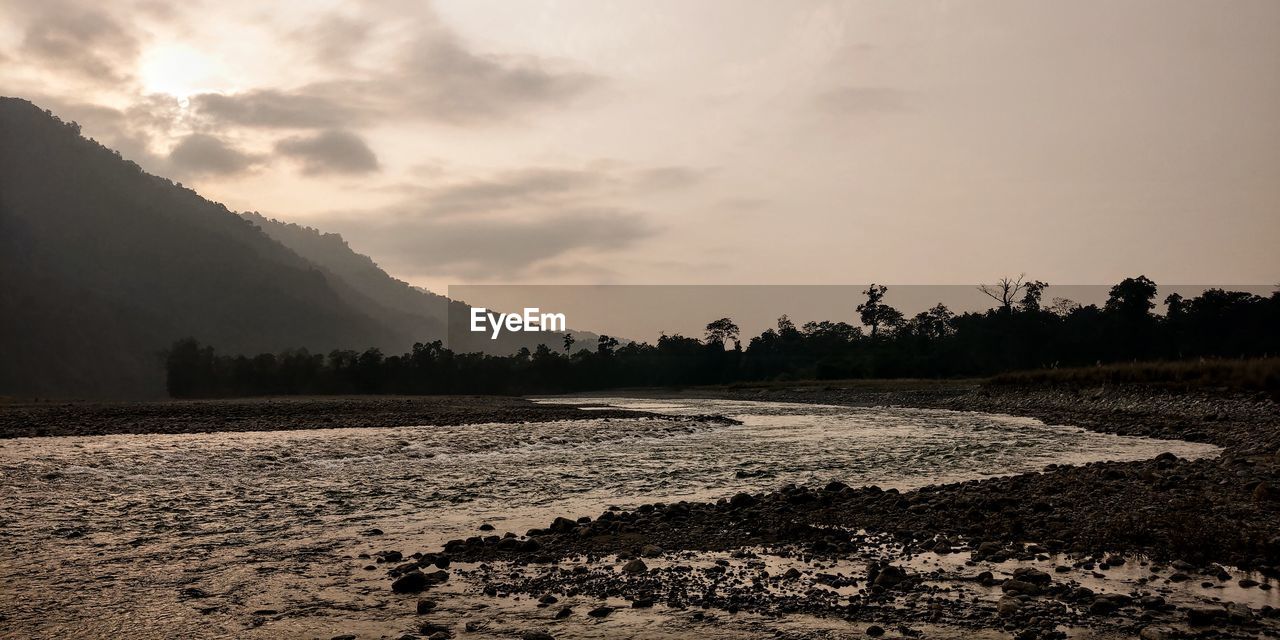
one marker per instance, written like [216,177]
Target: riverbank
[289,413]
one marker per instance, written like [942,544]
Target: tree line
[1019,333]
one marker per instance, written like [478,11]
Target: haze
[709,142]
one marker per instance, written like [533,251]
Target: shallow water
[108,535]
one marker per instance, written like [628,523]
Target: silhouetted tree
[722,331]
[1132,298]
[605,345]
[1031,297]
[875,313]
[1005,291]
[786,328]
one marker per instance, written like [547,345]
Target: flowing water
[261,533]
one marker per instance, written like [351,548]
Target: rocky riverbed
[938,511]
[1198,541]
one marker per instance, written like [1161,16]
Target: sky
[709,142]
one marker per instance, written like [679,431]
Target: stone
[1104,605]
[986,550]
[1156,633]
[875,631]
[1016,587]
[562,525]
[600,612]
[1205,616]
[1151,602]
[890,576]
[1265,493]
[635,566]
[1008,606]
[1034,576]
[426,606]
[1239,613]
[412,582]
[433,630]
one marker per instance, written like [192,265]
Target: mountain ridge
[104,265]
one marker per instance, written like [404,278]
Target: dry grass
[1245,375]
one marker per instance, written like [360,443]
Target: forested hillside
[102,266]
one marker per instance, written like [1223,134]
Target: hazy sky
[700,142]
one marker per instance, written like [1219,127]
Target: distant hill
[102,266]
[398,304]
[395,303]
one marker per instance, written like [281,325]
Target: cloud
[549,188]
[663,178]
[276,108]
[859,99]
[203,154]
[340,37]
[429,74]
[510,189]
[444,80]
[416,243]
[331,151]
[78,38]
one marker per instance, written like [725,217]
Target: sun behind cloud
[180,70]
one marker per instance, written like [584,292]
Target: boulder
[891,576]
[1205,616]
[1008,606]
[1016,587]
[635,566]
[412,582]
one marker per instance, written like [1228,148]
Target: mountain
[102,266]
[359,280]
[397,304]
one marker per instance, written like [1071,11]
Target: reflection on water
[224,534]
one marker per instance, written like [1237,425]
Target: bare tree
[1005,291]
